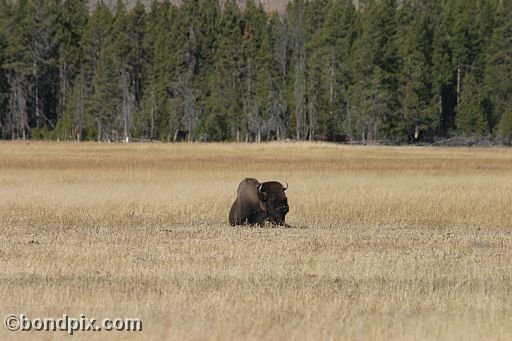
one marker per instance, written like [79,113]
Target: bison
[257,203]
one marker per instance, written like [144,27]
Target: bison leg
[258,218]
[234,214]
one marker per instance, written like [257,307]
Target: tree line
[403,72]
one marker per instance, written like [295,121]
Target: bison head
[274,200]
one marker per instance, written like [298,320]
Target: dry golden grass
[389,244]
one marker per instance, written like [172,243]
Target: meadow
[388,243]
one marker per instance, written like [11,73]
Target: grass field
[388,244]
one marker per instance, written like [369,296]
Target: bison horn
[285,187]
[259,189]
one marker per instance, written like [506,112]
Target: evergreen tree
[444,71]
[417,116]
[375,63]
[459,43]
[498,70]
[21,67]
[395,70]
[100,82]
[225,109]
[328,69]
[279,69]
[71,21]
[470,117]
[5,13]
[158,116]
[256,68]
[128,53]
[297,79]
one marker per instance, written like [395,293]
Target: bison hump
[251,181]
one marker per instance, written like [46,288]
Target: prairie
[401,243]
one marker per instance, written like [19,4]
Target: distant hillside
[269,5]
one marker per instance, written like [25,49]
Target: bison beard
[257,203]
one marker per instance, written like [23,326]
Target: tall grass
[388,244]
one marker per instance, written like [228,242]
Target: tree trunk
[152,115]
[349,119]
[331,86]
[458,84]
[127,103]
[298,99]
[99,129]
[80,109]
[36,91]
[299,71]
[63,92]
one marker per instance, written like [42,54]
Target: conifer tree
[71,20]
[297,79]
[498,81]
[5,13]
[158,116]
[329,68]
[394,70]
[470,118]
[18,65]
[225,109]
[279,69]
[128,59]
[375,63]
[256,68]
[417,117]
[98,75]
[444,71]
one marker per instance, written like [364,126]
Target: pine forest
[403,72]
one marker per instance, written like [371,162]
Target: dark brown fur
[253,208]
